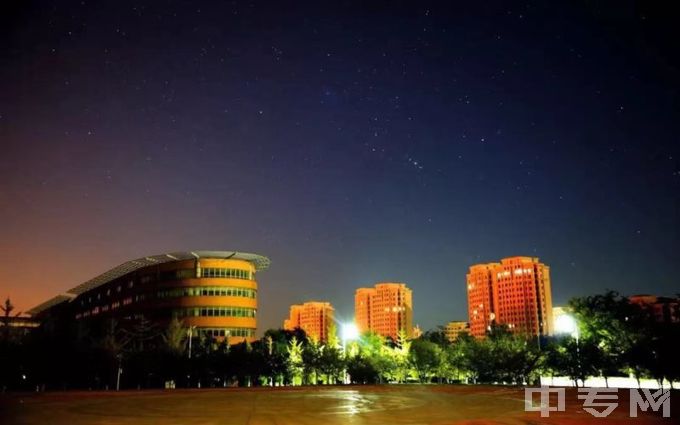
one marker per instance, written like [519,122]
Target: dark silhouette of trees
[615,338]
[424,357]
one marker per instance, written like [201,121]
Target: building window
[215,312]
[227,332]
[226,273]
[208,291]
[178,274]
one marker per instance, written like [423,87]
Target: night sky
[350,143]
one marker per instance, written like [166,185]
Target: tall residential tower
[313,317]
[515,292]
[385,309]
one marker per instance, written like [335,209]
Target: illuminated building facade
[313,317]
[515,292]
[385,309]
[480,298]
[453,330]
[16,326]
[213,292]
[662,309]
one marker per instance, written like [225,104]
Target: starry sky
[351,142]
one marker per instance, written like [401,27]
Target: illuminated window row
[227,332]
[215,312]
[208,291]
[230,273]
[106,307]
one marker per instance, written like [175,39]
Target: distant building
[454,329]
[663,309]
[17,326]
[385,309]
[314,317]
[214,292]
[480,298]
[417,332]
[515,292]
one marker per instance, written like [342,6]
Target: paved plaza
[390,404]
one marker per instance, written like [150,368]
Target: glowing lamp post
[349,332]
[566,324]
[190,334]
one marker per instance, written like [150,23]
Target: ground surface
[391,405]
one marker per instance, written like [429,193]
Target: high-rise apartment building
[313,317]
[515,292]
[480,301]
[385,309]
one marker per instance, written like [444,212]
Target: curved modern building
[214,292]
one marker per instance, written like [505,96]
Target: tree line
[615,338]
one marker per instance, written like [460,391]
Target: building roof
[260,262]
[50,303]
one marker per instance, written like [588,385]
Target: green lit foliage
[331,364]
[424,357]
[501,357]
[620,331]
[175,336]
[311,361]
[577,360]
[295,363]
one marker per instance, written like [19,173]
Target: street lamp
[119,371]
[349,332]
[190,334]
[566,324]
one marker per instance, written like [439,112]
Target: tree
[457,356]
[477,360]
[311,359]
[618,328]
[424,356]
[11,358]
[277,357]
[331,360]
[331,363]
[665,363]
[295,364]
[569,358]
[400,357]
[500,357]
[141,332]
[173,363]
[112,346]
[7,309]
[437,336]
[519,359]
[175,336]
[361,370]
